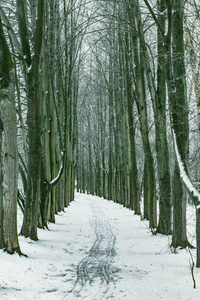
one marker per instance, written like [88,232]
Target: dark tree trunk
[179,112]
[140,96]
[162,154]
[29,227]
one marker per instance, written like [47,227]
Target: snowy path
[97,250]
[98,261]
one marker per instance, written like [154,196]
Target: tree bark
[10,171]
[150,187]
[9,154]
[162,154]
[29,227]
[179,111]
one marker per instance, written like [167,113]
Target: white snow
[59,172]
[135,264]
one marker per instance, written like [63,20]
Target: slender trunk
[134,184]
[103,152]
[149,162]
[111,124]
[45,171]
[165,209]
[52,153]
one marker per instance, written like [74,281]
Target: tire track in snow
[97,265]
[98,262]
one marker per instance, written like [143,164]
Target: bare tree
[9,156]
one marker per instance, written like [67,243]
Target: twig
[191,261]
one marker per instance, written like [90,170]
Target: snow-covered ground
[98,250]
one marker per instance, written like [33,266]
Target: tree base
[14,251]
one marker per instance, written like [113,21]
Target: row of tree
[39,56]
[117,121]
[136,141]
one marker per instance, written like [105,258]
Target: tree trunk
[9,154]
[134,183]
[111,131]
[10,170]
[149,162]
[29,227]
[45,169]
[52,152]
[165,209]
[179,111]
[175,73]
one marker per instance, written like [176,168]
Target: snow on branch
[57,178]
[191,189]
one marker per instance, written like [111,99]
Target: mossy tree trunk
[10,170]
[9,154]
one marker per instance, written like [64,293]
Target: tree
[179,112]
[9,156]
[150,209]
[29,227]
[162,153]
[175,78]
[134,180]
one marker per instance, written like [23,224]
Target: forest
[102,97]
